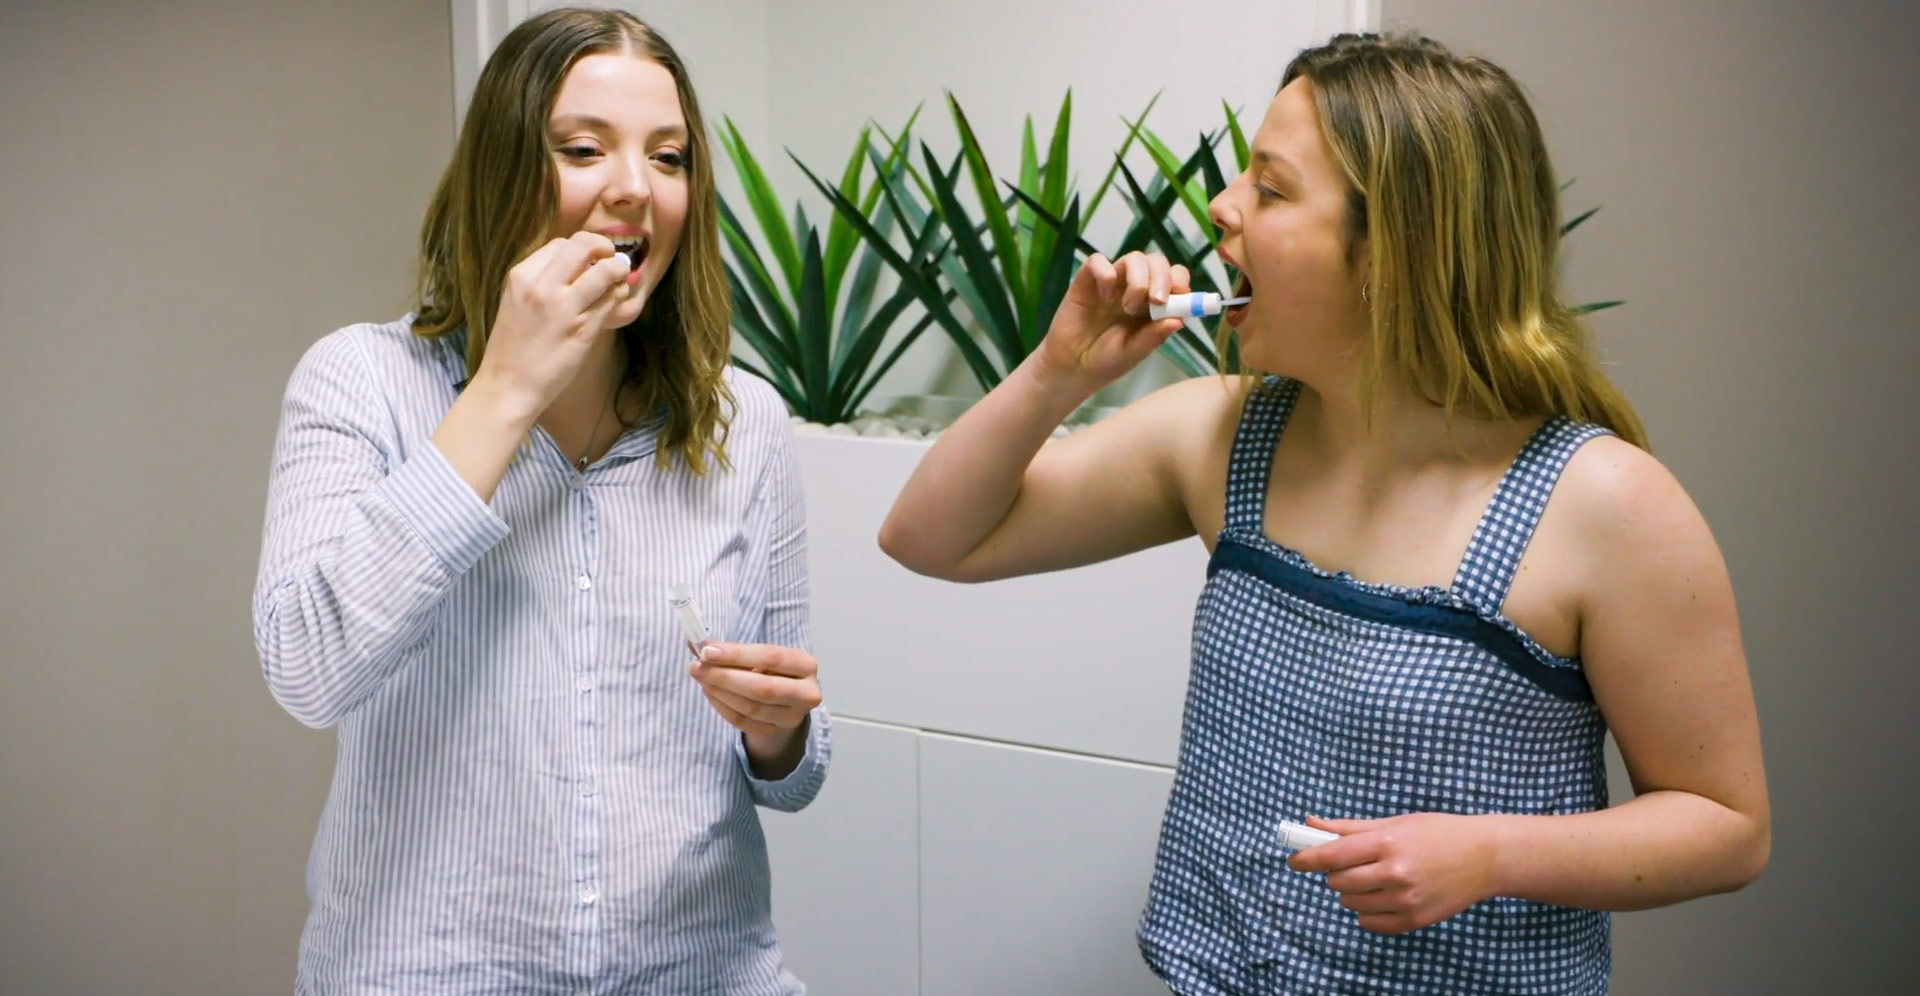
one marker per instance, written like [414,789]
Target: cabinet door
[846,898]
[1034,868]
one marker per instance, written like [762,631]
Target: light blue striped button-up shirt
[531,793]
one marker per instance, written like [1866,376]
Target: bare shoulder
[1644,542]
[1614,492]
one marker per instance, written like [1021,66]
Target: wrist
[1058,391]
[1504,844]
[517,407]
[775,756]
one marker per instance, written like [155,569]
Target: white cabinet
[846,898]
[1033,871]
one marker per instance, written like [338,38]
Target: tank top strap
[1505,529]
[1261,422]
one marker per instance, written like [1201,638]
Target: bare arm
[995,499]
[1660,640]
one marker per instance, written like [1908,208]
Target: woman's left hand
[1405,872]
[764,691]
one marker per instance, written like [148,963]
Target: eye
[578,151]
[1269,194]
[671,158]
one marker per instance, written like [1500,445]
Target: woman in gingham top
[1444,563]
[476,518]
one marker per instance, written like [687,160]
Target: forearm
[1661,848]
[336,612]
[482,431]
[965,486]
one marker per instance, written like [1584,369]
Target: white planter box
[1092,660]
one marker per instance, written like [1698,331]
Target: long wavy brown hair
[496,202]
[1450,184]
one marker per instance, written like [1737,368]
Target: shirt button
[586,786]
[583,683]
[583,582]
[588,896]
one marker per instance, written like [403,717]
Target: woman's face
[620,149]
[1283,226]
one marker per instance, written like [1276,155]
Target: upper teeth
[629,246]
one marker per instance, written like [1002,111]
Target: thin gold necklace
[581,464]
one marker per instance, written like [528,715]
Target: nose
[627,185]
[1221,210]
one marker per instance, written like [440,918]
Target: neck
[1394,430]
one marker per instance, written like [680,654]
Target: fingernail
[709,652]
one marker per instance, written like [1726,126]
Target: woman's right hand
[1101,330]
[552,310]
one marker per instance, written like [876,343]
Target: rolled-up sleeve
[359,547]
[779,528]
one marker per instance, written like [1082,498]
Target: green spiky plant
[817,318]
[1011,264]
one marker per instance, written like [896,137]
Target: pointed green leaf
[1044,217]
[985,188]
[764,202]
[1585,309]
[1189,190]
[1575,223]
[1029,181]
[864,345]
[997,319]
[1054,280]
[753,274]
[841,238]
[1242,155]
[1133,131]
[859,299]
[859,394]
[1053,195]
[926,291]
[752,327]
[814,327]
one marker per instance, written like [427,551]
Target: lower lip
[1236,315]
[633,278]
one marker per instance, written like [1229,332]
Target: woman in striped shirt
[476,516]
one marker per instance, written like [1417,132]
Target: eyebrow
[1276,160]
[602,124]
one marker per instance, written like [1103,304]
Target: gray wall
[1756,161]
[190,193]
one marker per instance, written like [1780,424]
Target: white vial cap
[1299,836]
[1198,304]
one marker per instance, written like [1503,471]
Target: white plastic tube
[1299,836]
[1199,304]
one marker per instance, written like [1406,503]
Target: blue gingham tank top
[1316,693]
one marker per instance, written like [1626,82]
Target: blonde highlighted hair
[496,202]
[1450,185]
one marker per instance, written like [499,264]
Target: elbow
[295,684]
[314,707]
[1755,852]
[901,546]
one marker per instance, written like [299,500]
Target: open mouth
[1241,288]
[635,249]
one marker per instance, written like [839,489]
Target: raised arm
[994,498]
